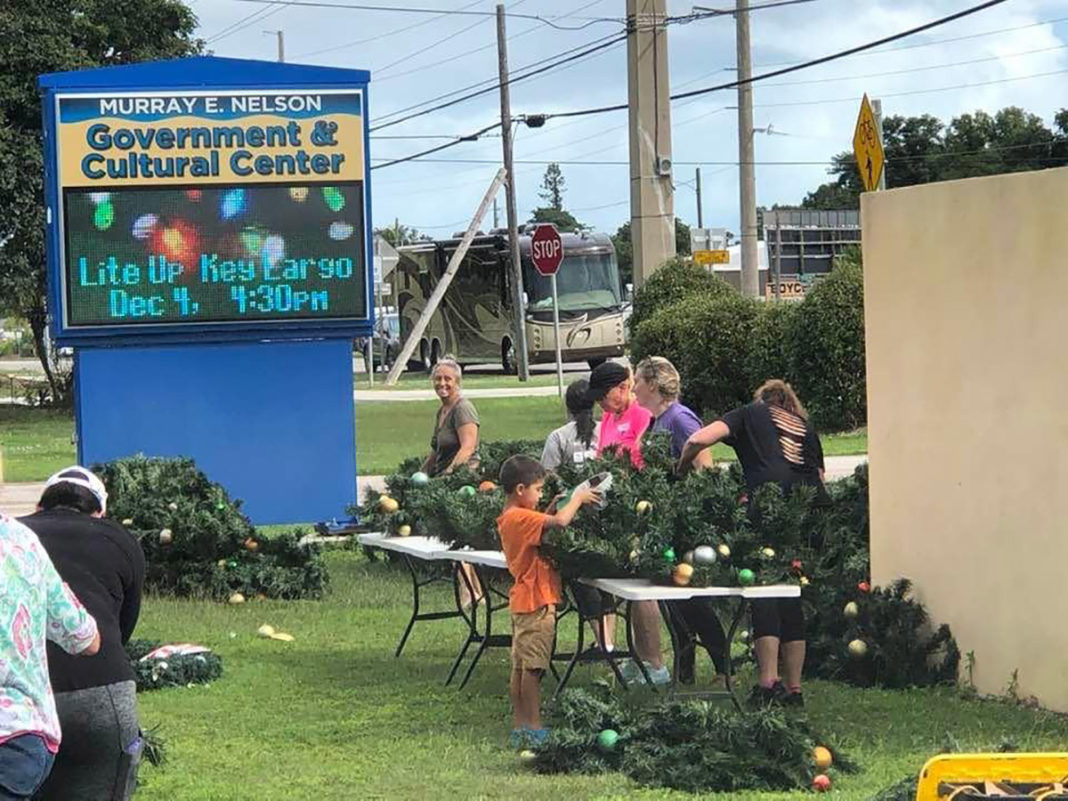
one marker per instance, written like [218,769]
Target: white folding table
[633,590]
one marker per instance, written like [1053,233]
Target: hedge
[725,345]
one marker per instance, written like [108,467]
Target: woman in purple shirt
[657,388]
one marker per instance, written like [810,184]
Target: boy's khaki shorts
[532,638]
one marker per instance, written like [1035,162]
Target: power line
[469,138]
[385,35]
[466,53]
[437,11]
[258,15]
[493,80]
[913,91]
[933,41]
[511,80]
[804,65]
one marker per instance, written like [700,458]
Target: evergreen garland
[178,670]
[196,540]
[818,541]
[694,746]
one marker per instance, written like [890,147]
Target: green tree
[54,36]
[400,234]
[552,185]
[922,149]
[625,249]
[564,220]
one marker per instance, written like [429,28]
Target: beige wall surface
[967,358]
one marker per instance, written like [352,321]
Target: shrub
[707,338]
[826,347]
[768,354]
[675,280]
[211,549]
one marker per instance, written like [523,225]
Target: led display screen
[214,253]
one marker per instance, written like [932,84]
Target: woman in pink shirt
[624,421]
[622,426]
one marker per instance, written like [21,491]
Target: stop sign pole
[546,252]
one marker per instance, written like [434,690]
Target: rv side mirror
[526,299]
[628,293]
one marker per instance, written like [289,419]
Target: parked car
[386,343]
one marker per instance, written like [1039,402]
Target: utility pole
[747,173]
[281,44]
[700,211]
[877,112]
[652,202]
[496,219]
[509,202]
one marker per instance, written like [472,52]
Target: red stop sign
[546,249]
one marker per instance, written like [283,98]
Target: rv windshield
[584,282]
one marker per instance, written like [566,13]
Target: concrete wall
[967,350]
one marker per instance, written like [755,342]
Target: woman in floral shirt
[35,605]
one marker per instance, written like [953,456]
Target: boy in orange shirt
[536,591]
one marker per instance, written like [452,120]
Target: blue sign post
[209,260]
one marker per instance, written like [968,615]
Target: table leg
[665,612]
[489,639]
[472,620]
[728,679]
[415,605]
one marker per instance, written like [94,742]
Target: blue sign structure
[209,258]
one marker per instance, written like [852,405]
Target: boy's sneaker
[658,676]
[518,738]
[629,670]
[537,737]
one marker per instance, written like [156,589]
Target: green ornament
[467,491]
[607,739]
[419,479]
[669,555]
[746,577]
[220,505]
[231,564]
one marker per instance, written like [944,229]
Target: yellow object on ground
[976,776]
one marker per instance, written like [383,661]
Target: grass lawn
[37,442]
[410,381]
[335,716]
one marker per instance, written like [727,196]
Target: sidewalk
[21,499]
[428,394]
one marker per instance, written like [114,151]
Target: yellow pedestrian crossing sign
[867,148]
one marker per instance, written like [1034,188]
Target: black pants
[697,618]
[778,617]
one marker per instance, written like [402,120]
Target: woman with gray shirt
[576,441]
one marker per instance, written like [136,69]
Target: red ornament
[821,783]
[743,499]
[864,586]
[795,566]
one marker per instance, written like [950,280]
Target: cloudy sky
[1012,54]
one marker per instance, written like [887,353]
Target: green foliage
[625,248]
[826,346]
[675,281]
[768,353]
[441,508]
[923,149]
[214,549]
[178,670]
[563,219]
[552,187]
[693,746]
[706,336]
[51,37]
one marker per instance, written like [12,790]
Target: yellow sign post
[712,256]
[867,147]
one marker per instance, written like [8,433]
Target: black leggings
[778,617]
[697,617]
